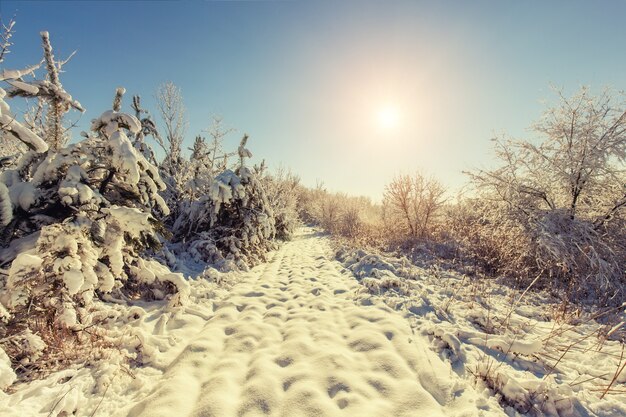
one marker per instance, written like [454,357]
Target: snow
[24,264]
[225,188]
[7,376]
[28,88]
[50,89]
[23,195]
[132,220]
[18,246]
[124,156]
[113,121]
[73,279]
[33,343]
[20,132]
[514,346]
[8,74]
[6,208]
[307,335]
[527,362]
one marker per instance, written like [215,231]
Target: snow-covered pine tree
[233,224]
[82,216]
[200,177]
[148,128]
[207,159]
[50,92]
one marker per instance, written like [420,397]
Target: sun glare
[388,117]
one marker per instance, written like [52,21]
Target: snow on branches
[88,212]
[81,223]
[233,223]
[561,199]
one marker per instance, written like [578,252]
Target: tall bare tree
[172,110]
[563,195]
[411,203]
[217,159]
[578,166]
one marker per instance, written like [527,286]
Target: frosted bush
[554,211]
[7,376]
[355,218]
[233,224]
[90,208]
[281,189]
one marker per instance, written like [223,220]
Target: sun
[388,117]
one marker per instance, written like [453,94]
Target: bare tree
[172,110]
[428,198]
[578,166]
[565,193]
[217,159]
[413,202]
[397,201]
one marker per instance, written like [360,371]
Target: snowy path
[294,342]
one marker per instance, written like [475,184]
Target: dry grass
[62,347]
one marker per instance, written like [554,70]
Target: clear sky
[346,92]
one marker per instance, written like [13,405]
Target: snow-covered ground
[525,350]
[365,335]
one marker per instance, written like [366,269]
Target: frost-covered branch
[561,198]
[59,101]
[172,109]
[148,128]
[5,39]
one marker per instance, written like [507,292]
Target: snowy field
[520,349]
[150,266]
[306,334]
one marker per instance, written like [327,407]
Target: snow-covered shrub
[350,223]
[83,258]
[82,178]
[88,210]
[556,209]
[354,218]
[281,190]
[129,178]
[361,221]
[308,200]
[529,397]
[234,222]
[411,204]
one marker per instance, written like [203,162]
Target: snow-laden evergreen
[233,224]
[83,225]
[76,221]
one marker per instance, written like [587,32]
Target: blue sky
[305,79]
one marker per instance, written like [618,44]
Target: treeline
[552,214]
